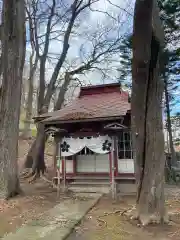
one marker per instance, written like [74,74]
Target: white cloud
[91,24]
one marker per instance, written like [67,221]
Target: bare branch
[123,9]
[96,56]
[77,7]
[48,29]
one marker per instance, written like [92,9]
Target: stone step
[90,189]
[90,177]
[91,183]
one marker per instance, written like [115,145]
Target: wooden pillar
[113,155]
[116,156]
[55,155]
[110,167]
[113,183]
[74,165]
[59,169]
[62,166]
[64,172]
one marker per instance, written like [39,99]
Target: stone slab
[88,189]
[58,222]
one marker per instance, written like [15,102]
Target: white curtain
[96,144]
[71,146]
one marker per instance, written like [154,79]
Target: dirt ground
[104,222]
[101,223]
[37,198]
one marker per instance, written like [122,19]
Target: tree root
[24,171]
[30,175]
[102,221]
[177,233]
[15,193]
[128,210]
[48,181]
[27,174]
[144,219]
[33,177]
[112,213]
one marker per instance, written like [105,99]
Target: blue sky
[80,46]
[89,24]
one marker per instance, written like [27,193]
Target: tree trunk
[45,99]
[29,104]
[34,159]
[62,91]
[13,55]
[169,127]
[23,94]
[150,169]
[58,106]
[147,127]
[40,101]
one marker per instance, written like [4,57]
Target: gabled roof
[96,102]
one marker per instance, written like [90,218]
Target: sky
[89,24]
[109,15]
[81,45]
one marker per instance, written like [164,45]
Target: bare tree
[147,127]
[13,55]
[33,63]
[101,49]
[72,12]
[29,100]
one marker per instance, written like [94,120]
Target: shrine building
[94,136]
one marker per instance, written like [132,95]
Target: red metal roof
[111,102]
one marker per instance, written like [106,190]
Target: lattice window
[125,146]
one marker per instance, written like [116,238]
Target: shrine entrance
[90,162]
[85,155]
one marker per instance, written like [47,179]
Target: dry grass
[105,221]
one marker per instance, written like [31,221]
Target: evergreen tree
[170,15]
[170,58]
[126,61]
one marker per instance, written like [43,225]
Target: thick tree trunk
[29,104]
[169,127]
[23,94]
[150,168]
[150,201]
[58,105]
[13,54]
[40,101]
[35,157]
[62,91]
[44,99]
[147,128]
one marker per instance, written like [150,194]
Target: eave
[58,122]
